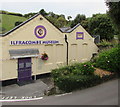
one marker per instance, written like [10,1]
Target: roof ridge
[2,35]
[66,31]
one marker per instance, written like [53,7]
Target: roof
[62,30]
[70,30]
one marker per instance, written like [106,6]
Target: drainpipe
[67,49]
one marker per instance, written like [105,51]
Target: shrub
[18,23]
[15,14]
[3,12]
[72,82]
[76,69]
[75,76]
[86,69]
[105,43]
[109,60]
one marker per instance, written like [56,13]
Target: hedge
[72,82]
[76,69]
[75,76]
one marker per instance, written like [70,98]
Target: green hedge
[10,13]
[72,82]
[75,76]
[75,69]
[109,60]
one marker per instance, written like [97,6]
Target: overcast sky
[66,7]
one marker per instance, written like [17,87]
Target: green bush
[75,69]
[72,82]
[75,76]
[18,23]
[105,43]
[109,60]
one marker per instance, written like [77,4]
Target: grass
[7,22]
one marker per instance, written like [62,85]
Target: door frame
[18,69]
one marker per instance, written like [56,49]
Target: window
[21,65]
[28,64]
[79,35]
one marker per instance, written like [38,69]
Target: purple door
[24,69]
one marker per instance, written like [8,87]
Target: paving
[32,90]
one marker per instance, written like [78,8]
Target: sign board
[33,42]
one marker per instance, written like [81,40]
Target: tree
[43,12]
[62,16]
[78,19]
[114,12]
[100,24]
[69,17]
[61,22]
[52,20]
[84,23]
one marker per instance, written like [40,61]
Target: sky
[66,7]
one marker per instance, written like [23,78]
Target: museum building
[36,47]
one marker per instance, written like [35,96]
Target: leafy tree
[85,23]
[62,16]
[52,20]
[61,22]
[78,19]
[43,12]
[57,20]
[100,24]
[114,12]
[52,14]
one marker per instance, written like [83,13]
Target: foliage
[15,14]
[43,12]
[100,24]
[10,13]
[114,12]
[78,19]
[61,22]
[85,23]
[3,12]
[44,56]
[73,82]
[58,21]
[29,15]
[75,76]
[109,60]
[17,23]
[105,43]
[76,69]
[69,17]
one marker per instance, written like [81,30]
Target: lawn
[7,22]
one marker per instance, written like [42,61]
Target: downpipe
[67,49]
